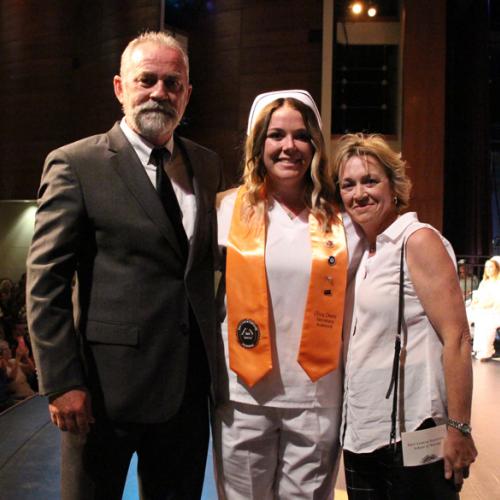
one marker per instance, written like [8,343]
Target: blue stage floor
[29,456]
[29,449]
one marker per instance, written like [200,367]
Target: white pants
[268,453]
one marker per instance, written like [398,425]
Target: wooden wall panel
[103,31]
[36,57]
[214,50]
[424,67]
[240,50]
[58,61]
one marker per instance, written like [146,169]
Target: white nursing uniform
[486,317]
[285,428]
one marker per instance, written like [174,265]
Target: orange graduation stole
[248,302]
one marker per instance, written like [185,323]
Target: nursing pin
[248,333]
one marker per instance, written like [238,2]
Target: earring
[395,200]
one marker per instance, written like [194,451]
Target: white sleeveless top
[366,422]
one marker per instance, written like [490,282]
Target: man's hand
[72,411]
[459,453]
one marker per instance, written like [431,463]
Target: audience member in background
[19,300]
[6,292]
[468,280]
[18,384]
[6,400]
[7,313]
[486,307]
[26,362]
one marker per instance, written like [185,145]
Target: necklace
[292,212]
[291,209]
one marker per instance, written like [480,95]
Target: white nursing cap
[263,100]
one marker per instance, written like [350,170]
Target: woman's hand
[459,453]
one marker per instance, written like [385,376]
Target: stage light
[357,8]
[372,11]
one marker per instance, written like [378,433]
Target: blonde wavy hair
[497,267]
[374,145]
[319,195]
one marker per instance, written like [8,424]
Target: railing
[470,272]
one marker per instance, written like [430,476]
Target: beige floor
[484,480]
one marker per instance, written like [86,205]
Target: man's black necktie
[159,157]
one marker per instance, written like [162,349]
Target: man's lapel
[129,168]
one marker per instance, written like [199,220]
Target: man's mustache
[158,107]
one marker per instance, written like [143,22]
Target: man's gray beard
[158,120]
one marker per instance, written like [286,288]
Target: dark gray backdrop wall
[239,49]
[467,200]
[57,64]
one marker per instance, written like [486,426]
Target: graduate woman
[276,426]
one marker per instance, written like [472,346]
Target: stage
[29,456]
[29,448]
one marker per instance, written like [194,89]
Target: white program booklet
[423,447]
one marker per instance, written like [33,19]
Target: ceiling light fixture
[357,8]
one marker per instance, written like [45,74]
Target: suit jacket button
[184,328]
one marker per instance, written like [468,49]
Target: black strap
[160,156]
[397,351]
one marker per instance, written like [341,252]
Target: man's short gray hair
[158,37]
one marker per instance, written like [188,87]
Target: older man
[131,213]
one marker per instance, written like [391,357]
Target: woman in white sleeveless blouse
[433,367]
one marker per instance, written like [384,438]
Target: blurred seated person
[5,396]
[19,298]
[18,383]
[468,280]
[486,306]
[6,289]
[23,348]
[6,307]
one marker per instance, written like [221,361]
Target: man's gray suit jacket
[99,215]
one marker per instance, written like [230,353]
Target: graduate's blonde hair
[319,194]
